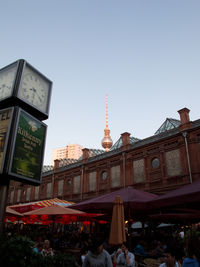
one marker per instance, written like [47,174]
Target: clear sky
[145,54]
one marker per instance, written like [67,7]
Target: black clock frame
[14,100]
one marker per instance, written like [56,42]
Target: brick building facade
[160,163]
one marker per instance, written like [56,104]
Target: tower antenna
[106,141]
[106,110]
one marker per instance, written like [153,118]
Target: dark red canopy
[187,195]
[133,200]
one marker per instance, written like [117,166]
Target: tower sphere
[106,141]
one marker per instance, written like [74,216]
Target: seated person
[97,255]
[192,252]
[158,251]
[47,250]
[84,252]
[169,259]
[125,258]
[38,248]
[114,256]
[139,249]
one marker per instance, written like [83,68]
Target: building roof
[67,162]
[167,125]
[118,144]
[64,162]
[47,168]
[167,129]
[95,152]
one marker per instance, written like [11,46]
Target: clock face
[34,89]
[7,79]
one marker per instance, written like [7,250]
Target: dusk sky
[144,54]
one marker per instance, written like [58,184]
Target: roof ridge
[167,125]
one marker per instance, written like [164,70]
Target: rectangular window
[48,190]
[77,184]
[19,195]
[138,171]
[60,187]
[92,181]
[37,192]
[28,194]
[173,162]
[12,196]
[115,176]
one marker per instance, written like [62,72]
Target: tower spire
[106,110]
[106,141]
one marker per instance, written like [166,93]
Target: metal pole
[187,153]
[53,181]
[3,201]
[82,174]
[124,168]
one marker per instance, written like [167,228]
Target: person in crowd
[114,255]
[38,248]
[181,234]
[47,250]
[158,251]
[82,256]
[125,258]
[169,259]
[139,249]
[192,252]
[97,255]
[84,252]
[190,262]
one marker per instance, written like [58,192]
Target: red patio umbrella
[25,207]
[12,215]
[56,213]
[11,212]
[55,210]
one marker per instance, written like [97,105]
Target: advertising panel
[5,122]
[28,149]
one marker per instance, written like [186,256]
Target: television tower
[106,141]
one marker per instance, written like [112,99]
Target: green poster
[29,147]
[5,120]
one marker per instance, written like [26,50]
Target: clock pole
[3,200]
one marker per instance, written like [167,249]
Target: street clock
[24,86]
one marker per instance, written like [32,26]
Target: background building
[157,164]
[73,151]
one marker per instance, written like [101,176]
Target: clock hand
[9,87]
[39,96]
[33,95]
[4,86]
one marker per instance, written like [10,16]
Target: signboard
[28,149]
[5,122]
